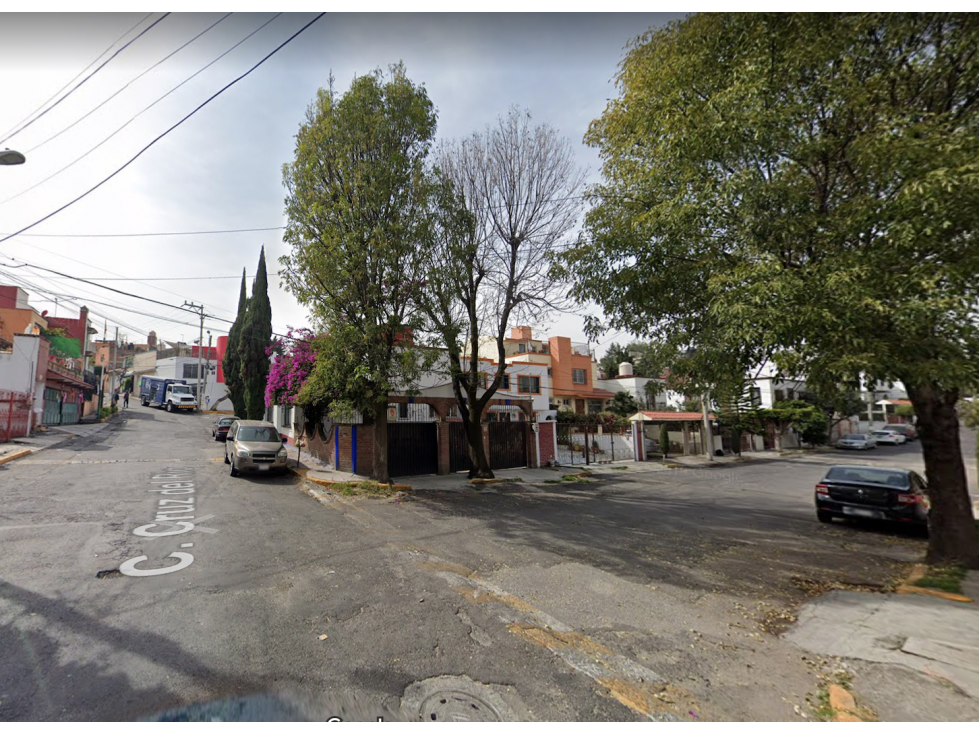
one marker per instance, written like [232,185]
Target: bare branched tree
[507,198]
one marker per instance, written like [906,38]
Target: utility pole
[114,360]
[708,437]
[200,348]
[102,376]
[207,362]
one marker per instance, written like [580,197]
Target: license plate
[263,467]
[858,512]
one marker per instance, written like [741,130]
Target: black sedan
[220,428]
[865,492]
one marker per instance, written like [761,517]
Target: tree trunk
[380,469]
[477,452]
[951,525]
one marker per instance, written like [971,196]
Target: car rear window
[258,433]
[854,437]
[868,475]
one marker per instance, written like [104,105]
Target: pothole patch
[455,698]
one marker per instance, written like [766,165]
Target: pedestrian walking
[125,399]
[115,397]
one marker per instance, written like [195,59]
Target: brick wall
[547,429]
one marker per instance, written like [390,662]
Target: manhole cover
[451,698]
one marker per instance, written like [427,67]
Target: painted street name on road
[175,489]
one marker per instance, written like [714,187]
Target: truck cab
[179,397]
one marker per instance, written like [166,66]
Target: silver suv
[254,446]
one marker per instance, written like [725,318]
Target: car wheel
[169,407]
[824,516]
[226,459]
[234,470]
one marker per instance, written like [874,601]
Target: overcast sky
[222,168]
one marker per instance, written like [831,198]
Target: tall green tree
[805,186]
[609,364]
[255,339]
[357,209]
[231,364]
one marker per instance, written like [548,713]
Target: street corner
[14,455]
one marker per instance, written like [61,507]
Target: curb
[918,572]
[304,473]
[936,593]
[15,455]
[842,703]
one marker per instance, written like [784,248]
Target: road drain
[109,573]
[452,698]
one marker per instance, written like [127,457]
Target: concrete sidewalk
[52,436]
[932,636]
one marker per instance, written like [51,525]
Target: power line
[77,86]
[127,84]
[157,234]
[91,64]
[96,267]
[131,119]
[146,280]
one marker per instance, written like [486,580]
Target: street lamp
[11,157]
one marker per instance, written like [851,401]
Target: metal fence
[15,415]
[587,445]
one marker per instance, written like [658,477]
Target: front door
[579,406]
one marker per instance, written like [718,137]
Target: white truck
[173,395]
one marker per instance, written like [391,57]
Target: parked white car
[889,437]
[861,441]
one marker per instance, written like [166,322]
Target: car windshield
[258,433]
[180,390]
[854,437]
[226,421]
[868,475]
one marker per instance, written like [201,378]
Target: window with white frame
[529,385]
[578,377]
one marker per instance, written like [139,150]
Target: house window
[791,394]
[578,377]
[505,384]
[528,384]
[522,348]
[565,402]
[755,396]
[190,371]
[286,415]
[402,411]
[779,395]
[594,406]
[550,372]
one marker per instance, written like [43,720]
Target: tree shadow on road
[39,683]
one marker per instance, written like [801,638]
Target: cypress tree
[232,354]
[254,340]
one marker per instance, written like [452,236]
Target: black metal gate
[458,448]
[507,444]
[412,449]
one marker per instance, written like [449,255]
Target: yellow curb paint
[936,593]
[16,455]
[917,572]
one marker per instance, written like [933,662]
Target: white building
[655,398]
[22,370]
[185,368]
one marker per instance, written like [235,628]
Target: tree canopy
[357,213]
[231,364]
[254,340]
[804,187]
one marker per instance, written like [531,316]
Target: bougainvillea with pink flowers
[293,362]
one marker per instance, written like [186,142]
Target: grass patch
[372,489]
[944,578]
[620,468]
[576,479]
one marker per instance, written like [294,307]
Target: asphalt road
[639,595]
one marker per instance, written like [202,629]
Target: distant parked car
[856,441]
[889,437]
[909,432]
[220,428]
[895,495]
